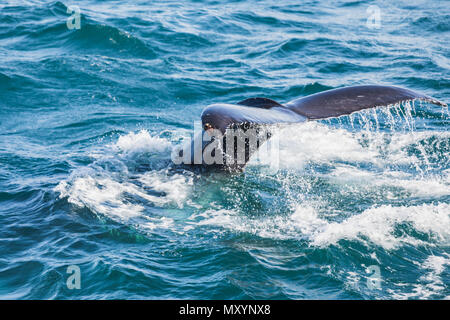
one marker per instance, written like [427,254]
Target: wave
[81,179]
[112,187]
[432,282]
[435,23]
[47,29]
[326,164]
[380,226]
[97,37]
[5,81]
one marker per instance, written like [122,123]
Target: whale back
[258,102]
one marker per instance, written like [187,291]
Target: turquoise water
[359,208]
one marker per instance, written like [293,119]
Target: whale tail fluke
[344,101]
[322,105]
[258,113]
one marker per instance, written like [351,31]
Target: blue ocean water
[360,205]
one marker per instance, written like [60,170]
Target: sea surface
[91,206]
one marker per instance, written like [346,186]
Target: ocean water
[359,207]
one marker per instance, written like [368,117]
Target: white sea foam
[375,225]
[320,143]
[344,151]
[416,186]
[316,142]
[381,159]
[431,284]
[176,188]
[357,164]
[102,195]
[116,195]
[378,225]
[142,142]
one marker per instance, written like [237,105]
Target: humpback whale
[231,133]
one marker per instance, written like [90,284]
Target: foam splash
[431,284]
[432,280]
[315,142]
[398,163]
[376,225]
[107,196]
[142,142]
[176,188]
[433,186]
[358,163]
[125,195]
